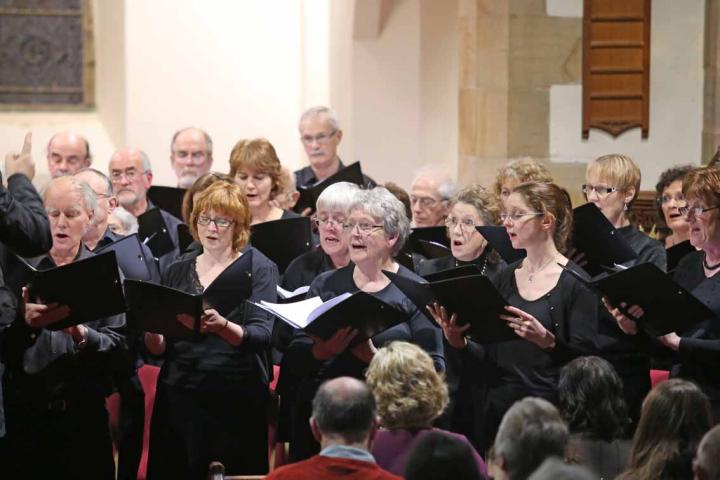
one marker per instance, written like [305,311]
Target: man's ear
[315,429]
[113,203]
[339,135]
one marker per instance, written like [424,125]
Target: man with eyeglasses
[67,153]
[430,194]
[320,135]
[190,155]
[131,176]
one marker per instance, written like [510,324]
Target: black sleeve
[428,336]
[300,359]
[258,323]
[24,225]
[577,336]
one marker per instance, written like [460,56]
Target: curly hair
[523,170]
[667,177]
[486,204]
[408,391]
[549,198]
[590,394]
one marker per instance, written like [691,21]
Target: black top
[305,177]
[289,214]
[305,268]
[488,263]
[418,329]
[212,363]
[648,249]
[568,310]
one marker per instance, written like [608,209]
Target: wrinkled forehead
[315,124]
[64,197]
[190,140]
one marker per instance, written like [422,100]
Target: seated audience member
[670,198]
[67,153]
[288,197]
[344,423]
[256,168]
[706,465]
[57,381]
[530,432]
[121,222]
[675,416]
[437,456]
[190,155]
[555,469]
[410,395]
[591,401]
[430,194]
[519,171]
[320,135]
[401,195]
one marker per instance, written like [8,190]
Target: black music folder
[309,195]
[131,259]
[498,238]
[153,231]
[461,271]
[169,199]
[90,286]
[360,310]
[595,236]
[282,240]
[429,234]
[431,250]
[677,252]
[668,307]
[185,238]
[474,298]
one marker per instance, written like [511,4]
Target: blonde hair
[523,170]
[228,199]
[408,391]
[620,171]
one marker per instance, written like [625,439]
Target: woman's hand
[365,351]
[38,315]
[528,327]
[671,340]
[212,322]
[155,343]
[77,332]
[626,324]
[454,334]
[187,321]
[335,345]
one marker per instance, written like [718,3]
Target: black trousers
[131,425]
[190,428]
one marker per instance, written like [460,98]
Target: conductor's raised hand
[335,345]
[528,327]
[39,315]
[22,162]
[454,334]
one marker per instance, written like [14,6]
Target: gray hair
[380,204]
[147,167]
[329,114]
[87,193]
[344,407]
[128,220]
[531,431]
[446,186]
[555,469]
[338,197]
[101,175]
[708,453]
[208,140]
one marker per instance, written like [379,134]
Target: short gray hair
[329,114]
[707,454]
[555,469]
[128,220]
[147,166]
[446,186]
[338,197]
[382,205]
[531,431]
[87,193]
[101,175]
[208,140]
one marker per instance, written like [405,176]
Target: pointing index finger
[27,144]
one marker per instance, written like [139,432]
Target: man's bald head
[344,408]
[67,153]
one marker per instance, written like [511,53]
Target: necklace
[540,268]
[709,267]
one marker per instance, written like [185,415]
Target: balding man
[344,422]
[706,465]
[430,195]
[67,153]
[131,176]
[190,155]
[320,135]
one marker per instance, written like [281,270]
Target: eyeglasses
[327,221]
[601,191]
[665,199]
[515,216]
[364,227]
[220,223]
[131,174]
[321,138]
[425,202]
[466,224]
[695,211]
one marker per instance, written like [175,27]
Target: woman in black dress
[212,393]
[376,228]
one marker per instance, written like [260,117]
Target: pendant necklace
[532,274]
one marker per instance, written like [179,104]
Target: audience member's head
[519,171]
[289,195]
[531,431]
[438,456]
[344,413]
[122,222]
[706,465]
[590,394]
[675,416]
[131,175]
[555,469]
[67,153]
[409,392]
[203,182]
[320,134]
[190,155]
[401,195]
[430,194]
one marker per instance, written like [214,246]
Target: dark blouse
[211,362]
[418,329]
[648,249]
[568,310]
[488,264]
[305,268]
